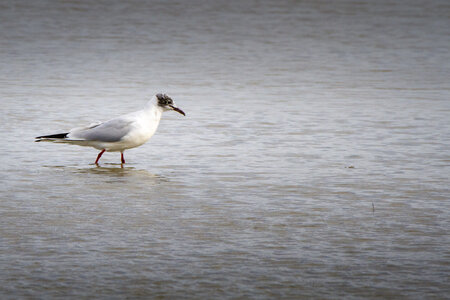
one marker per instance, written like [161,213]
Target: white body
[118,134]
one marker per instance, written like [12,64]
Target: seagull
[121,133]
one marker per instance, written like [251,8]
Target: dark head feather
[164,100]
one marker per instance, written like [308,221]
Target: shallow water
[313,160]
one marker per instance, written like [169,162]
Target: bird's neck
[153,109]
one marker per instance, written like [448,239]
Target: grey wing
[111,131]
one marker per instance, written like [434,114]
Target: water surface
[313,160]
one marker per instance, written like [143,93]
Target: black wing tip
[53,136]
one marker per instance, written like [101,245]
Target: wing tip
[53,136]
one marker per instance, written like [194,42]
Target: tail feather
[52,136]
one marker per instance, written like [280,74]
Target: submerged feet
[122,159]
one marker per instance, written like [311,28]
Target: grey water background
[313,161]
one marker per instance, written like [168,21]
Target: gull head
[166,103]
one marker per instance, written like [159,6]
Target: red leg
[121,156]
[99,155]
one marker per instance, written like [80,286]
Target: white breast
[142,129]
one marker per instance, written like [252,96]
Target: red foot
[121,156]
[99,155]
